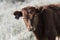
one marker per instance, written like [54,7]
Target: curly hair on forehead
[29,9]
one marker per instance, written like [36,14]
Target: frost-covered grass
[12,29]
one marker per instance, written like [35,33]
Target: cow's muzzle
[31,28]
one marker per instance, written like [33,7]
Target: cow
[43,21]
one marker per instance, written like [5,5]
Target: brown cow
[44,21]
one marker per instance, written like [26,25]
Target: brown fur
[44,21]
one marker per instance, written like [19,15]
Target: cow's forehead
[28,8]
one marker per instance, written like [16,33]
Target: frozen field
[12,29]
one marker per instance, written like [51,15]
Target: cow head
[30,16]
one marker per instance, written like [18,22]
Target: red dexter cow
[44,21]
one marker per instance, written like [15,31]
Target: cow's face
[30,16]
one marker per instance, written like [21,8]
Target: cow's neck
[41,37]
[38,35]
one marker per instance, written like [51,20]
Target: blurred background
[12,29]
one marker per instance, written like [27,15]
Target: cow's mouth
[28,24]
[31,28]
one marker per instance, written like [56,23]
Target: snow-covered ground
[12,29]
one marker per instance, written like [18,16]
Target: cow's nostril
[31,29]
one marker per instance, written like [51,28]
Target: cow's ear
[19,13]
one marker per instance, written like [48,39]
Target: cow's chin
[31,28]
